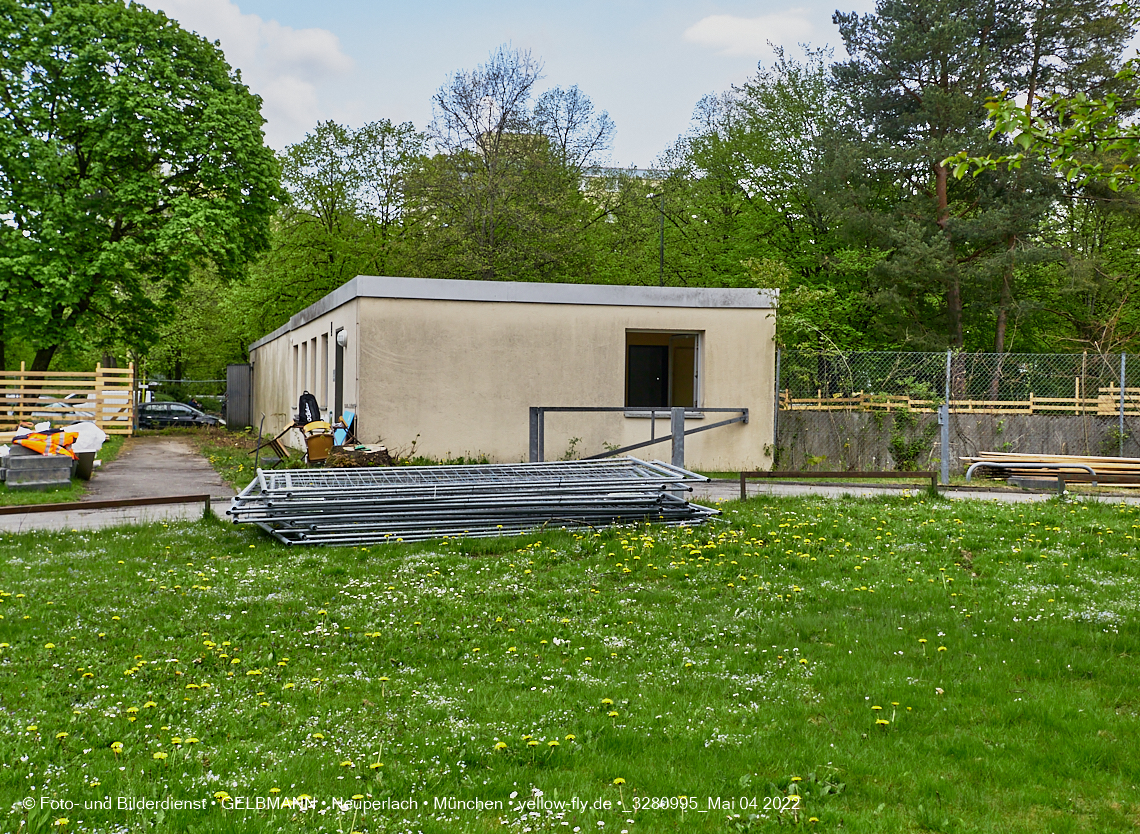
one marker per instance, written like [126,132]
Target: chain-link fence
[1025,383]
[877,409]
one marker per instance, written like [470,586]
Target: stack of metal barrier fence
[411,503]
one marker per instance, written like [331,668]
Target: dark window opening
[661,370]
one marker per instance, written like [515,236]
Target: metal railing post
[944,415]
[677,429]
[776,408]
[1120,428]
[533,456]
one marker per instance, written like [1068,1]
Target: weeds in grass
[896,664]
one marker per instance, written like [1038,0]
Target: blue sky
[646,63]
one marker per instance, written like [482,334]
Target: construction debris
[368,505]
[1122,472]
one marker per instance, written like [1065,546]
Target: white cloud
[750,36]
[283,65]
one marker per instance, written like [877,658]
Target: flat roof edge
[513,292]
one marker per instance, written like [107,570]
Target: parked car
[161,415]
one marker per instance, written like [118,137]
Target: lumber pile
[1123,472]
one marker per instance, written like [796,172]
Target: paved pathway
[730,491]
[146,467]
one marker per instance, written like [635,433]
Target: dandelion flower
[532,743]
[376,765]
[502,745]
[552,743]
[882,722]
[612,714]
[49,645]
[318,736]
[570,737]
[116,747]
[347,763]
[61,736]
[619,781]
[607,702]
[160,755]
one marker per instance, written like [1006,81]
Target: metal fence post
[944,414]
[677,429]
[776,408]
[1120,428]
[533,434]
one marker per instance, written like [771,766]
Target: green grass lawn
[901,664]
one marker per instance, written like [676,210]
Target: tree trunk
[953,288]
[43,358]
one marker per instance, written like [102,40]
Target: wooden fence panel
[1105,404]
[104,396]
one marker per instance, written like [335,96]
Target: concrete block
[38,471]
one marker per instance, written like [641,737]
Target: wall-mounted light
[341,338]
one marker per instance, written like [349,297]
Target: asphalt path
[146,467]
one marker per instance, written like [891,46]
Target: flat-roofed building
[455,366]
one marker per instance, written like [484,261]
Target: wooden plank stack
[1124,472]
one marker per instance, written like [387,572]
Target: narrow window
[661,370]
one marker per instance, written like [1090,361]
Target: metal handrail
[677,431]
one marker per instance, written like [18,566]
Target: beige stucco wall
[457,377]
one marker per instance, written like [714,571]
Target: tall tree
[345,214]
[130,152]
[501,199]
[919,76]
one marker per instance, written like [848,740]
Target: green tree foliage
[919,77]
[501,198]
[344,215]
[130,153]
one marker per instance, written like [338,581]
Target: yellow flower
[288,686]
[347,763]
[275,790]
[175,740]
[49,645]
[612,714]
[191,740]
[376,765]
[62,821]
[160,755]
[222,796]
[502,745]
[570,737]
[116,747]
[941,648]
[61,736]
[318,736]
[607,702]
[619,781]
[532,743]
[32,728]
[552,743]
[882,722]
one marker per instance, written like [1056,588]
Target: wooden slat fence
[104,396]
[1105,404]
